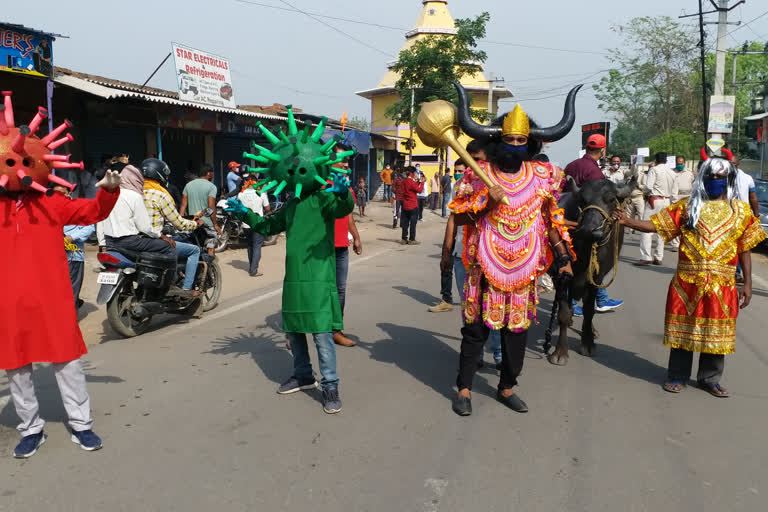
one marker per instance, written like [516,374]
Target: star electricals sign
[25,51]
[202,77]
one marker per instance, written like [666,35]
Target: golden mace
[438,126]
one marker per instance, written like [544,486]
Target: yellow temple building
[435,18]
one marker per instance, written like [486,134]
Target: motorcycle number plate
[107,277]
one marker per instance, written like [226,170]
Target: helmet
[155,169]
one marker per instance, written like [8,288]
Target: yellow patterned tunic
[702,302]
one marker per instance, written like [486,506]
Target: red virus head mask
[27,161]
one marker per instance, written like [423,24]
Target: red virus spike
[68,165]
[56,158]
[18,143]
[25,180]
[8,109]
[3,125]
[36,186]
[55,133]
[53,145]
[3,182]
[41,115]
[60,181]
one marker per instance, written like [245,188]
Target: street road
[191,420]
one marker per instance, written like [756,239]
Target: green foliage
[359,123]
[676,142]
[428,68]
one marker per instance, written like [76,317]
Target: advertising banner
[721,114]
[25,52]
[202,77]
[588,130]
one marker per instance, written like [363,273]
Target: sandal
[674,386]
[714,389]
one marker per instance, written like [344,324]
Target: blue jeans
[387,192]
[326,355]
[342,271]
[255,241]
[192,253]
[446,200]
[602,296]
[460,274]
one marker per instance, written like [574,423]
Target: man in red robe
[39,320]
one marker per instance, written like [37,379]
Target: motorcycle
[135,291]
[236,232]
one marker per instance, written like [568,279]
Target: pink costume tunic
[508,248]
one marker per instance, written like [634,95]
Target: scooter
[135,291]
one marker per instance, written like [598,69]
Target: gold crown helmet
[516,122]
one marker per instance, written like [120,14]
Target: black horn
[469,125]
[625,190]
[574,187]
[561,129]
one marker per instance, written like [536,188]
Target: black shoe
[293,385]
[499,365]
[462,406]
[331,401]
[514,402]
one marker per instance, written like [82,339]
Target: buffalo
[593,205]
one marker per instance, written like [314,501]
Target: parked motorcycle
[236,232]
[135,291]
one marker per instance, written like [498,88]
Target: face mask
[715,188]
[680,167]
[517,149]
[615,166]
[458,177]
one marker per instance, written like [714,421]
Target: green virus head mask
[298,160]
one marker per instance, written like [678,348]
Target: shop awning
[107,92]
[755,117]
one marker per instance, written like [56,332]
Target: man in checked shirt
[161,209]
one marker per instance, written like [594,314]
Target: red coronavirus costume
[39,319]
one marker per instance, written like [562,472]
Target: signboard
[603,129]
[203,77]
[715,145]
[671,161]
[25,51]
[646,152]
[721,114]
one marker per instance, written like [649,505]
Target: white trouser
[74,395]
[635,207]
[646,239]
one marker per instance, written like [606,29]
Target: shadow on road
[423,355]
[418,295]
[660,269]
[239,265]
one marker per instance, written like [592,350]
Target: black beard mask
[509,161]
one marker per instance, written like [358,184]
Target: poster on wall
[721,114]
[26,51]
[202,77]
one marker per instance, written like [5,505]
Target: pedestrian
[386,179]
[434,191]
[412,185]
[582,170]
[422,196]
[258,203]
[745,188]
[199,195]
[685,179]
[615,173]
[502,275]
[397,187]
[361,194]
[233,176]
[344,227]
[38,310]
[74,243]
[703,301]
[446,190]
[660,187]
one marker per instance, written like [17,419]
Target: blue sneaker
[608,304]
[28,445]
[577,310]
[87,440]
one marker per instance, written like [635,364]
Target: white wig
[714,168]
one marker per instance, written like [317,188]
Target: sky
[278,56]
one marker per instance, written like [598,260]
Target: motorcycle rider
[161,209]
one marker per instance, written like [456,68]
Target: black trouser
[131,246]
[711,366]
[422,202]
[410,218]
[446,285]
[76,276]
[255,241]
[473,340]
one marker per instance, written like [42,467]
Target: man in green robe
[310,298]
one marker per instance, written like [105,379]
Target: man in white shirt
[745,186]
[660,187]
[258,203]
[128,229]
[616,173]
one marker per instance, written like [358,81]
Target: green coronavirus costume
[301,161]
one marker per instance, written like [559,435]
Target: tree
[428,68]
[675,142]
[359,123]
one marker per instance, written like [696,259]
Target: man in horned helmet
[508,246]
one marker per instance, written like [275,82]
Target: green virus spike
[320,180]
[257,169]
[267,153]
[292,129]
[269,186]
[258,158]
[294,142]
[345,154]
[260,184]
[328,146]
[268,134]
[305,134]
[321,160]
[280,188]
[298,190]
[282,136]
[339,171]
[319,130]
